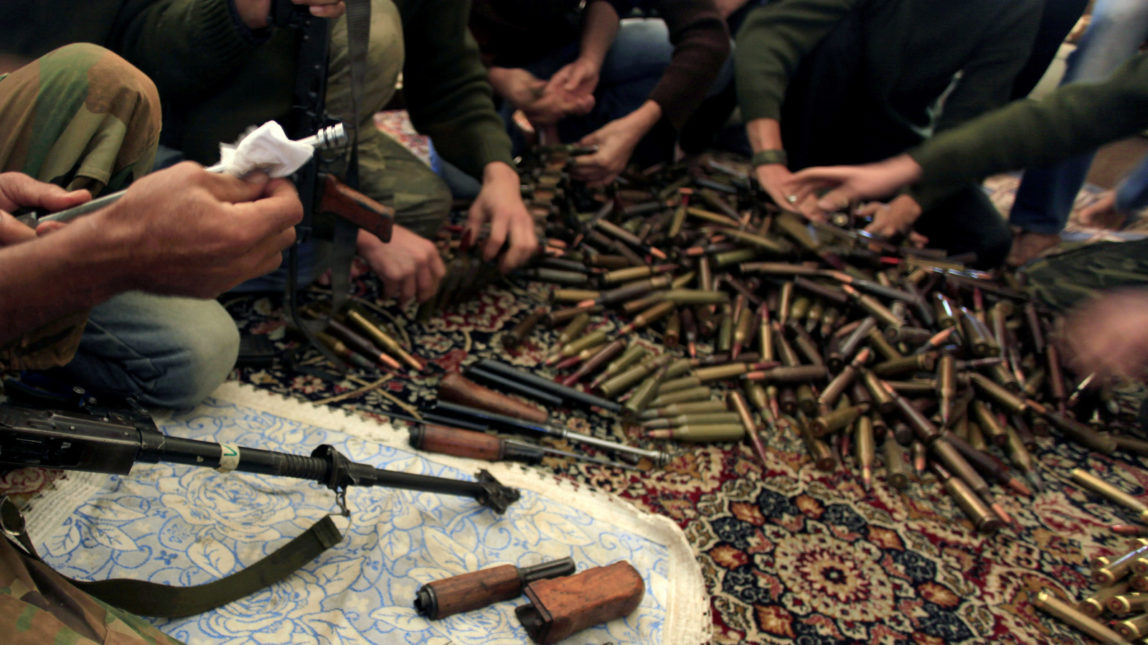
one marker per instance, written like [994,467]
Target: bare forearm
[33,276]
[599,26]
[764,134]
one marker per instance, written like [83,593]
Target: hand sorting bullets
[779,182]
[499,204]
[409,266]
[849,184]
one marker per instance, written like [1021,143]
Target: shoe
[1027,245]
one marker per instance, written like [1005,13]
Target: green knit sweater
[1073,119]
[216,79]
[912,51]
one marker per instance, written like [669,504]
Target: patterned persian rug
[788,553]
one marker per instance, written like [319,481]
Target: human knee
[204,346]
[424,206]
[105,113]
[113,85]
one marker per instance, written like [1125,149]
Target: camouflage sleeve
[38,606]
[80,117]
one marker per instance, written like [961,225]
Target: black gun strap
[358,40]
[167,601]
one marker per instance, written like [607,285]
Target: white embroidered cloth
[182,525]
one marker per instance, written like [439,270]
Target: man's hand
[851,184]
[256,14]
[1103,213]
[499,203]
[1109,335]
[779,183]
[577,78]
[516,85]
[616,142]
[543,102]
[18,190]
[409,265]
[892,219]
[185,231]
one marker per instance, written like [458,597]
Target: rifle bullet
[701,419]
[1095,604]
[896,472]
[1068,615]
[982,518]
[680,409]
[866,449]
[572,330]
[707,433]
[735,400]
[385,340]
[647,317]
[361,345]
[646,391]
[596,361]
[633,354]
[1100,487]
[520,331]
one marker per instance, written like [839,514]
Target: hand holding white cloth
[266,148]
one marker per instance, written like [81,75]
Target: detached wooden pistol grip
[560,607]
[355,207]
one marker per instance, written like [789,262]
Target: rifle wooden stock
[456,388]
[355,207]
[560,607]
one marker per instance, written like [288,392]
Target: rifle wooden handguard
[456,388]
[560,607]
[343,201]
[459,442]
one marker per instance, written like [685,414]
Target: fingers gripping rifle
[112,441]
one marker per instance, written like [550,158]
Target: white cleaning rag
[266,148]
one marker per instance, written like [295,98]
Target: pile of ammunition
[1121,601]
[771,325]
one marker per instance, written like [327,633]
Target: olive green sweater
[912,50]
[1073,119]
[216,78]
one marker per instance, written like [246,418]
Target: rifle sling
[167,601]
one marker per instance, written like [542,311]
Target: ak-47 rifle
[112,441]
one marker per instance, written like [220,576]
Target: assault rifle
[111,441]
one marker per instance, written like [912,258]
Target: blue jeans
[1132,194]
[633,66]
[167,351]
[1046,195]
